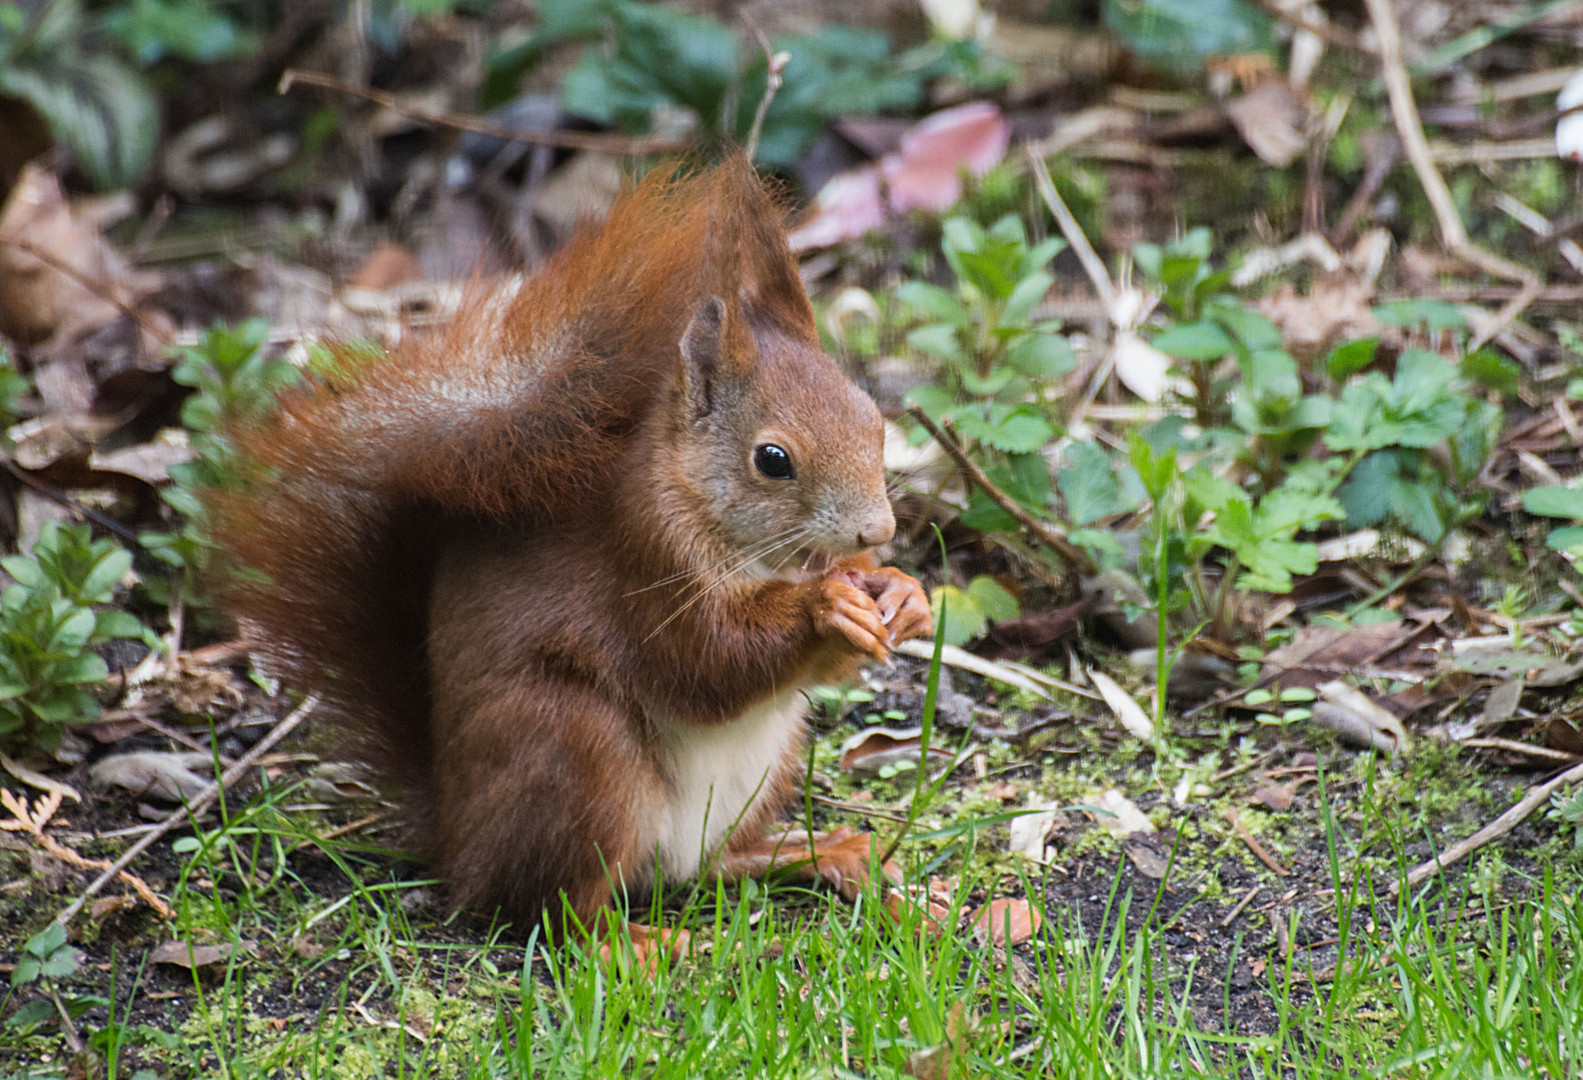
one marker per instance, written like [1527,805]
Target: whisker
[705,587]
[767,546]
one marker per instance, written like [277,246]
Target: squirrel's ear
[703,347]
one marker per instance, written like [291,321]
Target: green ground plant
[51,622]
[233,378]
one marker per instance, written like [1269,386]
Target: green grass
[1466,982]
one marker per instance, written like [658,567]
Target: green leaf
[1433,315]
[983,515]
[190,29]
[1351,357]
[117,624]
[44,943]
[933,399]
[1194,341]
[934,303]
[993,599]
[27,969]
[1021,431]
[61,962]
[940,341]
[1000,376]
[73,632]
[1568,538]
[90,667]
[1554,501]
[963,620]
[1090,486]
[1489,368]
[25,570]
[985,274]
[1025,478]
[1028,292]
[1039,355]
[100,108]
[99,585]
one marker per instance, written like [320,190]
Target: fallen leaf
[933,903]
[849,205]
[184,954]
[1501,705]
[38,301]
[387,266]
[871,750]
[926,172]
[1002,790]
[107,907]
[1270,120]
[1147,851]
[1121,703]
[1277,797]
[1007,922]
[1360,704]
[923,173]
[1569,129]
[1496,656]
[1143,369]
[155,774]
[1029,832]
[1121,815]
[1031,635]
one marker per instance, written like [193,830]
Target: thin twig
[1093,265]
[32,820]
[57,495]
[97,288]
[1324,30]
[1496,829]
[1051,535]
[1453,232]
[198,805]
[774,64]
[1254,846]
[1231,916]
[568,140]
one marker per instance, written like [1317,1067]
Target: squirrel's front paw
[902,604]
[846,609]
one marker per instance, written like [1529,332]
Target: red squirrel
[566,567]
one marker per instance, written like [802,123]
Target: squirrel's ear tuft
[763,268]
[704,357]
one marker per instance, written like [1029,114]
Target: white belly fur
[713,773]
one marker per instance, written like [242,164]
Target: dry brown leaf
[154,774]
[1121,703]
[1121,815]
[387,266]
[184,954]
[1148,852]
[38,301]
[1338,307]
[869,751]
[1277,797]
[107,907]
[1271,121]
[924,173]
[1030,832]
[1007,921]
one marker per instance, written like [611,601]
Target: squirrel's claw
[899,599]
[851,613]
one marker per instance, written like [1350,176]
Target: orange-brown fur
[501,555]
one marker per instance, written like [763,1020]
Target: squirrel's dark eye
[773,462]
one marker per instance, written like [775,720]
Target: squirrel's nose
[877,530]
